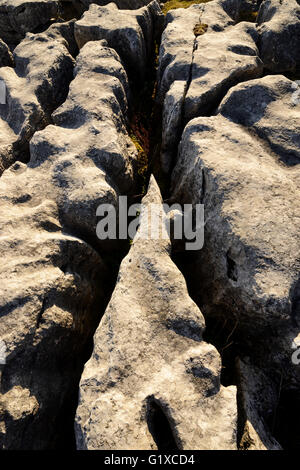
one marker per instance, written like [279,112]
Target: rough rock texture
[122,4]
[207,65]
[254,248]
[81,113]
[221,60]
[242,164]
[64,30]
[279,30]
[159,363]
[34,88]
[54,283]
[178,41]
[242,10]
[259,105]
[17,17]
[129,32]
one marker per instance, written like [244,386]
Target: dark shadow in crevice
[231,268]
[295,304]
[221,330]
[286,427]
[159,426]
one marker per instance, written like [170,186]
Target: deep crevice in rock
[144,131]
[223,331]
[231,268]
[159,426]
[285,424]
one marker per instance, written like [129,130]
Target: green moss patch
[200,29]
[173,4]
[250,16]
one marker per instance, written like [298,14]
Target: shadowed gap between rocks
[160,427]
[224,333]
[221,335]
[144,128]
[285,424]
[145,122]
[66,11]
[221,331]
[232,342]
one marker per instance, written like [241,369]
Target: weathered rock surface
[259,105]
[253,248]
[242,164]
[129,32]
[17,17]
[207,65]
[279,30]
[34,88]
[54,282]
[64,30]
[221,60]
[149,358]
[153,380]
[122,4]
[178,41]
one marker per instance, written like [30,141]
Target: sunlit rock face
[140,343]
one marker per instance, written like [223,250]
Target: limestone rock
[149,359]
[79,75]
[129,32]
[257,396]
[179,42]
[246,175]
[64,30]
[196,71]
[34,88]
[221,60]
[172,122]
[279,30]
[259,105]
[17,17]
[55,281]
[241,10]
[122,4]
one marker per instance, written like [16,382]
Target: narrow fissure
[285,424]
[224,331]
[146,132]
[145,123]
[159,427]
